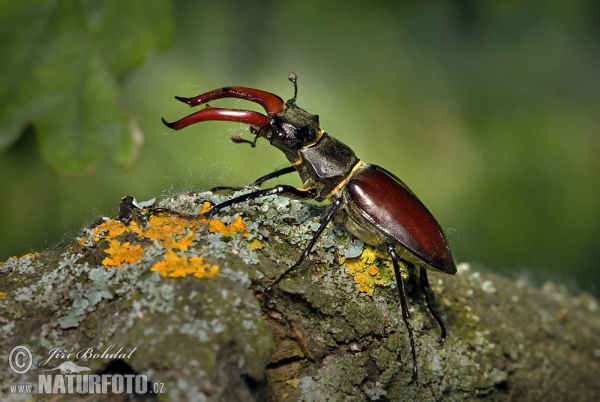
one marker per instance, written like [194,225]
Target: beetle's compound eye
[280,136]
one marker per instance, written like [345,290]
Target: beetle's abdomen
[392,208]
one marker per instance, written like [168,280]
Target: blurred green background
[489,111]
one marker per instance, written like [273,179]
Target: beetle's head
[292,129]
[286,126]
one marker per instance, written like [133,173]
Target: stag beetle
[372,203]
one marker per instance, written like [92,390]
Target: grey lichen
[316,337]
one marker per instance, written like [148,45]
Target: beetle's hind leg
[424,284]
[259,181]
[404,307]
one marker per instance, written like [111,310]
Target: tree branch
[316,337]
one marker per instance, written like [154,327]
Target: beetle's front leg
[259,181]
[277,190]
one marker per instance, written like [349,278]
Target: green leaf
[61,66]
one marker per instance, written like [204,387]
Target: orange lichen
[371,268]
[120,254]
[173,232]
[167,229]
[112,227]
[163,228]
[205,208]
[179,267]
[180,244]
[236,227]
[3,296]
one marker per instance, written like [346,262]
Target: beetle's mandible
[372,203]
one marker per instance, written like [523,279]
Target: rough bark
[315,338]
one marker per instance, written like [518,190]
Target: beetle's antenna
[292,77]
[239,140]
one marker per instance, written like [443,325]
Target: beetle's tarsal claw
[268,290]
[266,295]
[210,213]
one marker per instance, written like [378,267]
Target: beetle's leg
[236,139]
[277,190]
[225,188]
[277,173]
[424,284]
[260,180]
[404,307]
[336,204]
